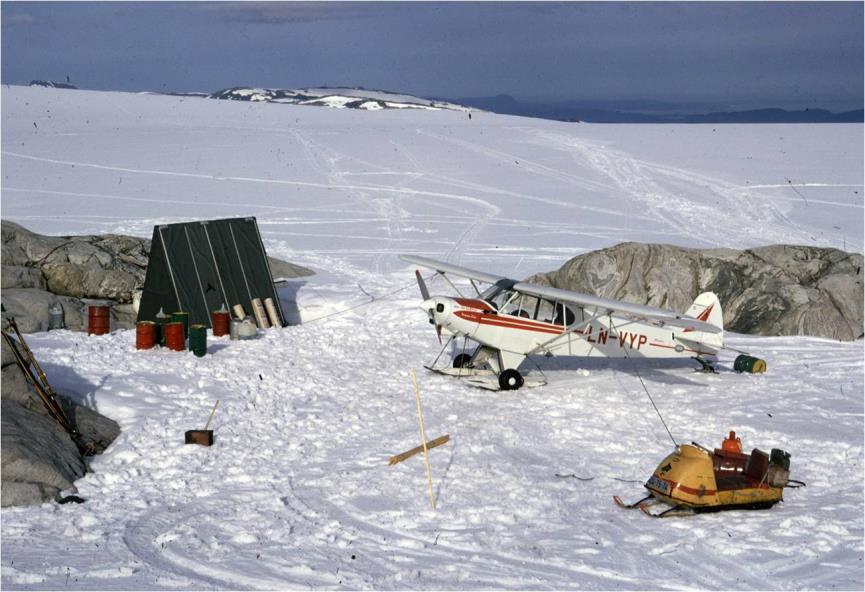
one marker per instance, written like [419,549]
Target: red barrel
[174,336]
[145,334]
[98,320]
[221,321]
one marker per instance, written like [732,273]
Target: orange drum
[221,321]
[98,320]
[145,334]
[174,338]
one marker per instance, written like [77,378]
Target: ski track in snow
[297,482]
[668,193]
[296,491]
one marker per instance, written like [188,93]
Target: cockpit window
[564,315]
[506,301]
[528,306]
[557,313]
[546,311]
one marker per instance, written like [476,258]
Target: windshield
[531,307]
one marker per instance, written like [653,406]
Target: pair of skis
[647,502]
[36,378]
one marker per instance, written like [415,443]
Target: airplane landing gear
[510,380]
[462,361]
[707,366]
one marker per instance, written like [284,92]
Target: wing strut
[448,280]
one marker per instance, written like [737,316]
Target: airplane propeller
[425,295]
[422,285]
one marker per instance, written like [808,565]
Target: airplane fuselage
[604,336]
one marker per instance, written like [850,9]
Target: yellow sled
[694,479]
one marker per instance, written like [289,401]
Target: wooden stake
[432,500]
[398,458]
[209,419]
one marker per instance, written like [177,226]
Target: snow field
[296,491]
[297,482]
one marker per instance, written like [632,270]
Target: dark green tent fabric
[196,267]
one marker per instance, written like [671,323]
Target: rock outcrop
[38,458]
[39,272]
[773,290]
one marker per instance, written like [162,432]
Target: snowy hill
[51,84]
[345,98]
[297,491]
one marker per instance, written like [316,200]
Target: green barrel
[198,340]
[160,329]
[750,364]
[181,317]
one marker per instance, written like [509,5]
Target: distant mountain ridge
[334,97]
[52,84]
[340,98]
[614,111]
[652,112]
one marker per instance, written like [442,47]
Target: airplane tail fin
[707,308]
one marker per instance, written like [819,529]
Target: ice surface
[296,491]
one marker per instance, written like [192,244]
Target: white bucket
[247,329]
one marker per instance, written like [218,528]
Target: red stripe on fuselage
[508,322]
[472,303]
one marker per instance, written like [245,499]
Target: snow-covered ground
[296,492]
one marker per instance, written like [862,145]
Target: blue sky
[742,54]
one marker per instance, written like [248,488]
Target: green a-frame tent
[196,267]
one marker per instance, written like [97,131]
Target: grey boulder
[39,458]
[773,290]
[35,452]
[20,276]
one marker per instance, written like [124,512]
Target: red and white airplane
[511,320]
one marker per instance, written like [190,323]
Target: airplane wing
[656,315]
[641,312]
[443,267]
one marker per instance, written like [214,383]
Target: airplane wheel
[510,380]
[462,361]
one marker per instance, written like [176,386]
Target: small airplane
[511,320]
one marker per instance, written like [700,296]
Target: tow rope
[648,394]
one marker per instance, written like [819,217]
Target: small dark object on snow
[71,499]
[201,437]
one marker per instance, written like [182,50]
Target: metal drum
[145,334]
[198,340]
[98,320]
[221,321]
[161,320]
[750,364]
[56,318]
[174,336]
[234,329]
[181,317]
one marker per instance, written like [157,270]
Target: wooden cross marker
[425,446]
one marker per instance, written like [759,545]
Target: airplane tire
[510,380]
[462,361]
